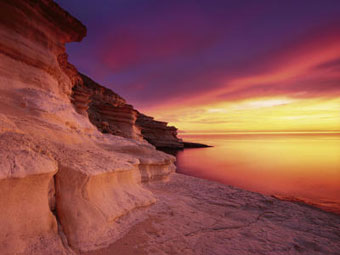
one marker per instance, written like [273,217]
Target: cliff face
[66,188]
[105,109]
[111,114]
[63,185]
[158,133]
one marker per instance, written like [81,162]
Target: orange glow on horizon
[258,114]
[280,98]
[301,166]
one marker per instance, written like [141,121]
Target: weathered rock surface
[111,114]
[106,110]
[26,217]
[64,185]
[199,217]
[158,133]
[66,188]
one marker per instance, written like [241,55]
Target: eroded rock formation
[66,188]
[63,184]
[111,114]
[106,110]
[158,133]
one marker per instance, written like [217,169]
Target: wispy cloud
[223,65]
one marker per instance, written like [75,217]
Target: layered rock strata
[106,110]
[111,114]
[64,185]
[158,133]
[66,188]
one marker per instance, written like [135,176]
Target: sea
[302,167]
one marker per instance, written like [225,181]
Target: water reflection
[300,166]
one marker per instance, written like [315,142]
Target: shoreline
[325,203]
[197,216]
[189,145]
[304,202]
[80,173]
[311,204]
[186,145]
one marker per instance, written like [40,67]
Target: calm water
[292,166]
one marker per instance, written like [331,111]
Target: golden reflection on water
[296,166]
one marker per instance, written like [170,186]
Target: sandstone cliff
[106,110]
[158,133]
[64,186]
[111,114]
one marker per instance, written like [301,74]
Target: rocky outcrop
[66,188]
[105,109]
[158,133]
[111,114]
[64,185]
[26,213]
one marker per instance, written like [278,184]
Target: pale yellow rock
[25,213]
[64,186]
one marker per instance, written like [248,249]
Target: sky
[217,65]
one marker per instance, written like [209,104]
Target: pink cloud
[308,67]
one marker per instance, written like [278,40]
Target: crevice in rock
[51,196]
[52,199]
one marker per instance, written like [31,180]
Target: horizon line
[263,132]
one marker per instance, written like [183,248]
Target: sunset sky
[217,65]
